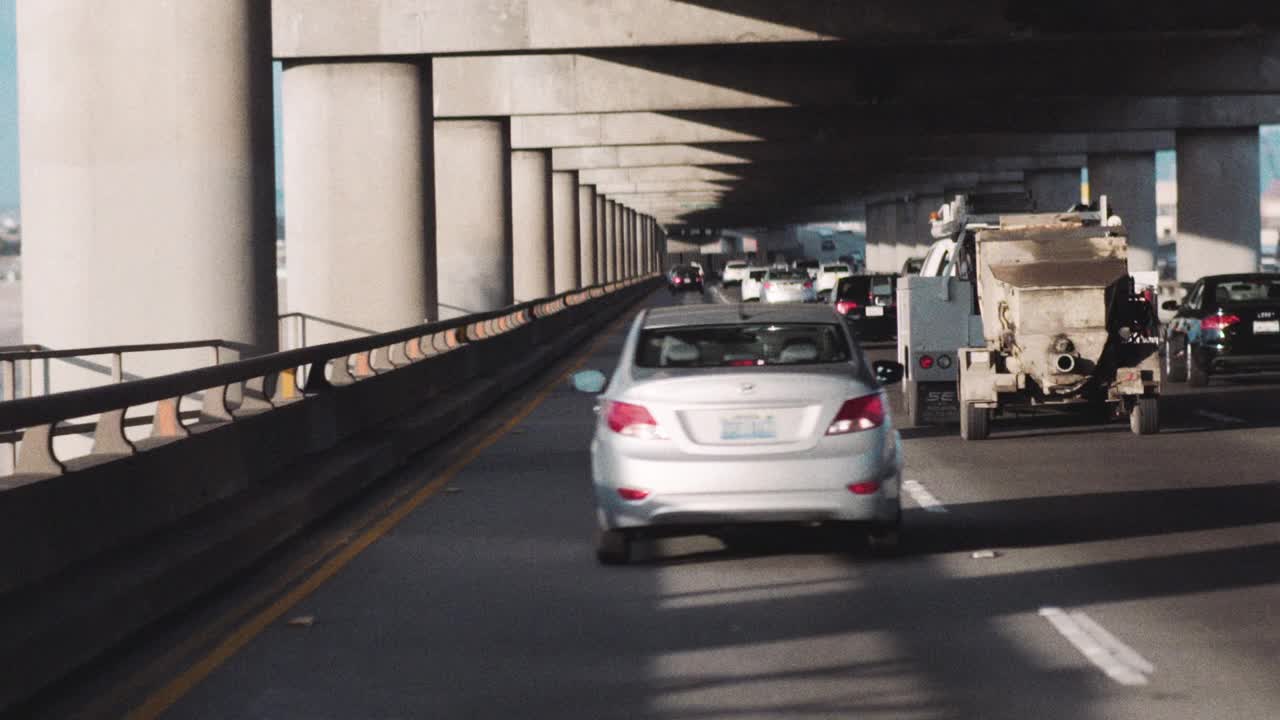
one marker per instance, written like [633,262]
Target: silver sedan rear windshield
[743,345]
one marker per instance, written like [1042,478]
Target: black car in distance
[1227,324]
[870,304]
[684,277]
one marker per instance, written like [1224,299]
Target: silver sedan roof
[684,315]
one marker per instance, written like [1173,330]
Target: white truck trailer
[1062,323]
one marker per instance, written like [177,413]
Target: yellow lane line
[164,698]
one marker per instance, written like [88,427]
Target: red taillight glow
[864,488]
[1219,322]
[857,414]
[632,494]
[678,280]
[768,286]
[926,361]
[745,363]
[633,421]
[808,285]
[844,306]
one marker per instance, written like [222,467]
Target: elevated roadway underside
[467,588]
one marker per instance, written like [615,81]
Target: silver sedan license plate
[1261,327]
[748,427]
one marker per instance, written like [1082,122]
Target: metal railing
[234,389]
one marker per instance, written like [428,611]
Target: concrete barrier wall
[90,557]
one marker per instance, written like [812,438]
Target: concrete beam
[314,28]
[1074,115]
[698,79]
[749,153]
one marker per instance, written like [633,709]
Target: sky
[9,123]
[8,106]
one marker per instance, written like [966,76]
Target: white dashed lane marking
[1119,661]
[1219,417]
[923,497]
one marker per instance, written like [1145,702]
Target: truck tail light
[926,362]
[857,414]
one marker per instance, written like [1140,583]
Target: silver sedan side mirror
[589,381]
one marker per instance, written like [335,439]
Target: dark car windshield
[854,288]
[743,345]
[1246,290]
[788,275]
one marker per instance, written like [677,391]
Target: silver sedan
[788,286]
[724,415]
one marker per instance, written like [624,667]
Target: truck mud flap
[933,403]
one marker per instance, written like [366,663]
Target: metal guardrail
[263,382]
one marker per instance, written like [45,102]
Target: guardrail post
[254,399]
[215,405]
[286,386]
[8,381]
[37,456]
[108,435]
[380,360]
[117,367]
[342,369]
[167,420]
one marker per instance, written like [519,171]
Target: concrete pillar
[473,215]
[564,230]
[619,241]
[357,154]
[602,238]
[881,242]
[651,244]
[1129,182]
[532,269]
[1054,190]
[632,238]
[610,241]
[1219,203]
[147,178]
[587,235]
[904,232]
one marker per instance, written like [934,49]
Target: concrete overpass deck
[467,588]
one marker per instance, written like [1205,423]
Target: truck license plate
[1262,327]
[874,311]
[748,427]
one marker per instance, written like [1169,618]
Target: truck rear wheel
[975,422]
[1144,416]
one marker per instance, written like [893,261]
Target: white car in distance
[787,286]
[829,275]
[735,271]
[753,283]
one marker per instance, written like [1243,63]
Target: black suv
[1228,324]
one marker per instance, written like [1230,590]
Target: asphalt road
[1057,571]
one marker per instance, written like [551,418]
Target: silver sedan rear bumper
[800,489]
